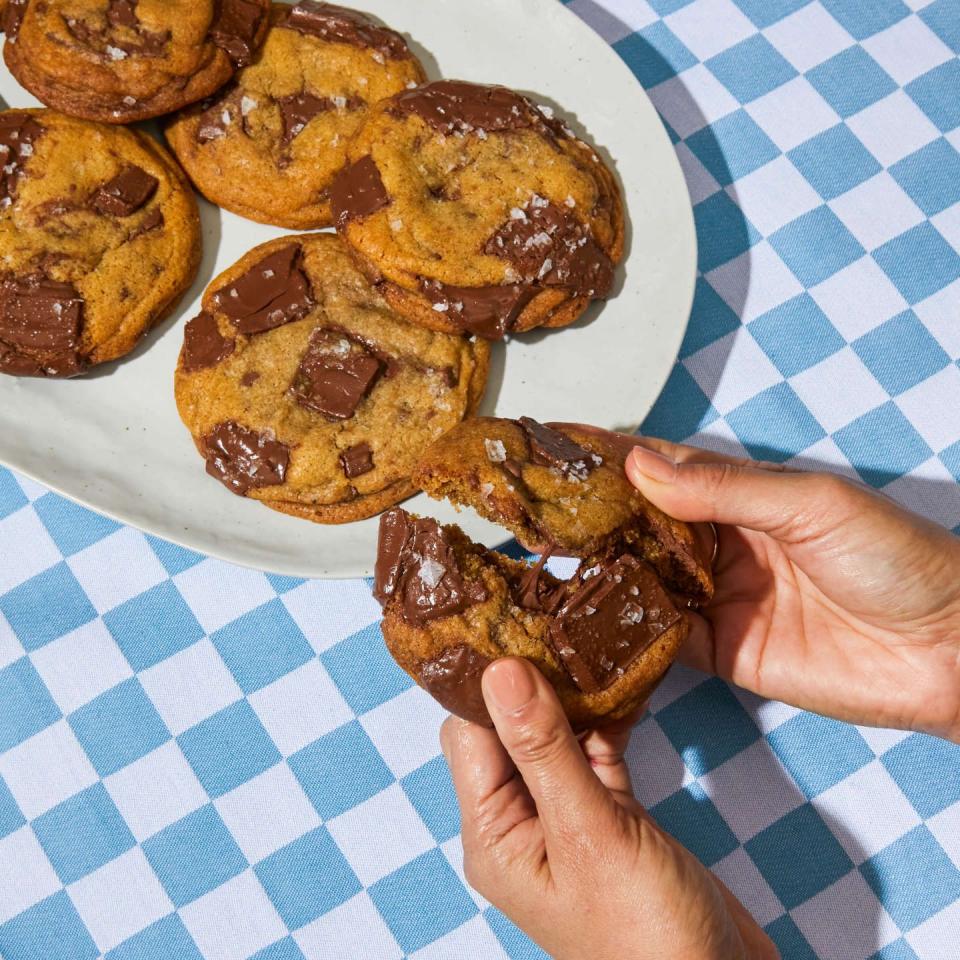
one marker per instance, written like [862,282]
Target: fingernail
[653,464]
[510,685]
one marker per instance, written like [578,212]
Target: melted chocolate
[218,114]
[453,680]
[534,589]
[356,460]
[454,106]
[127,192]
[18,133]
[235,29]
[551,448]
[151,221]
[299,109]
[339,25]
[357,192]
[489,312]
[123,13]
[271,293]
[203,344]
[13,17]
[243,459]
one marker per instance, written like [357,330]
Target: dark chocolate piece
[356,460]
[616,613]
[126,193]
[18,133]
[339,25]
[534,589]
[203,344]
[243,459]
[235,29]
[299,109]
[489,312]
[151,221]
[551,448]
[13,17]
[357,192]
[249,378]
[218,114]
[455,106]
[271,293]
[453,680]
[123,13]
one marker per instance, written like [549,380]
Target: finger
[699,650]
[605,748]
[479,765]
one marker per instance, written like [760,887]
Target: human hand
[553,836]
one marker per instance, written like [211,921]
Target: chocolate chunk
[551,448]
[356,460]
[535,589]
[548,246]
[219,113]
[127,192]
[13,17]
[271,293]
[18,133]
[203,344]
[489,312]
[358,192]
[151,221]
[40,323]
[298,110]
[123,13]
[334,375]
[339,25]
[453,680]
[243,459]
[452,105]
[615,614]
[416,563]
[235,29]
[249,378]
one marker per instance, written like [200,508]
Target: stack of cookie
[321,366]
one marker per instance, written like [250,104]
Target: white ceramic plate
[113,441]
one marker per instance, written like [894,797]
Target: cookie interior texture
[604,638]
[303,390]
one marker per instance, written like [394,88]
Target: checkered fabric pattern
[206,763]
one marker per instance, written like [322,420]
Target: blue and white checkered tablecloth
[199,762]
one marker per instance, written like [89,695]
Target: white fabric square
[766,714]
[824,455]
[877,210]
[940,314]
[46,769]
[218,592]
[300,707]
[406,730]
[120,899]
[234,920]
[606,24]
[907,49]
[155,791]
[774,195]
[808,37]
[267,812]
[755,282]
[948,223]
[360,833]
[793,113]
[657,770]
[929,939]
[675,684]
[746,883]
[929,490]
[31,489]
[11,649]
[918,4]
[328,611]
[21,888]
[893,128]
[719,437]
[700,181]
[880,740]
[453,851]
[117,568]
[945,827]
[691,101]
[838,390]
[190,686]
[706,27]
[353,931]
[858,298]
[24,526]
[472,939]
[81,665]
[932,407]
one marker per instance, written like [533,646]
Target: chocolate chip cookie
[268,146]
[604,638]
[474,210]
[100,236]
[303,389]
[123,60]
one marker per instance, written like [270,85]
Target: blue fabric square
[71,526]
[654,54]
[10,816]
[307,878]
[796,335]
[898,950]
[775,425]
[46,607]
[851,81]
[732,147]
[834,161]
[882,445]
[819,752]
[789,940]
[26,707]
[514,941]
[710,319]
[816,246]
[927,770]
[422,901]
[228,748]
[430,790]
[49,930]
[863,18]
[901,353]
[364,671]
[664,7]
[340,770]
[707,726]
[951,459]
[194,855]
[174,559]
[798,856]
[262,646]
[83,833]
[690,816]
[152,626]
[919,262]
[285,949]
[943,18]
[284,584]
[913,878]
[931,176]
[681,409]
[12,498]
[763,13]
[164,940]
[118,727]
[935,93]
[751,68]
[723,232]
